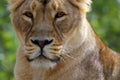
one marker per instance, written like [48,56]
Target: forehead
[47,3]
[44,9]
[44,2]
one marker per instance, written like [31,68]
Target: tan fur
[83,56]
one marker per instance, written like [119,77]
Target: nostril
[41,43]
[48,42]
[34,42]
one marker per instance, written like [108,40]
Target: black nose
[41,43]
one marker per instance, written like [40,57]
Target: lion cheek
[73,40]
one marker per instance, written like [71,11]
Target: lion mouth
[42,56]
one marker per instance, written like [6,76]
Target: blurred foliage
[8,44]
[104,17]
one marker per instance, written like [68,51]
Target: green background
[104,17]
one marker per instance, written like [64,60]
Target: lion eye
[59,15]
[28,14]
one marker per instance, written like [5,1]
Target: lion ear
[84,5]
[13,4]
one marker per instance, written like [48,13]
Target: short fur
[83,56]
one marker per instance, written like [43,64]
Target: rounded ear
[84,5]
[13,4]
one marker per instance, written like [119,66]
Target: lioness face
[47,28]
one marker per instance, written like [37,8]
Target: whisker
[29,48]
[29,52]
[62,58]
[70,57]
[54,52]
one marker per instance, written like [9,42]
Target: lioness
[57,42]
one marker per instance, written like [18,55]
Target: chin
[42,63]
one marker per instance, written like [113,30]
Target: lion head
[49,29]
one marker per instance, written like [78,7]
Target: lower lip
[44,57]
[52,60]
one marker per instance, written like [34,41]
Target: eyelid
[60,14]
[25,16]
[28,14]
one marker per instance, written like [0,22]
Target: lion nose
[42,43]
